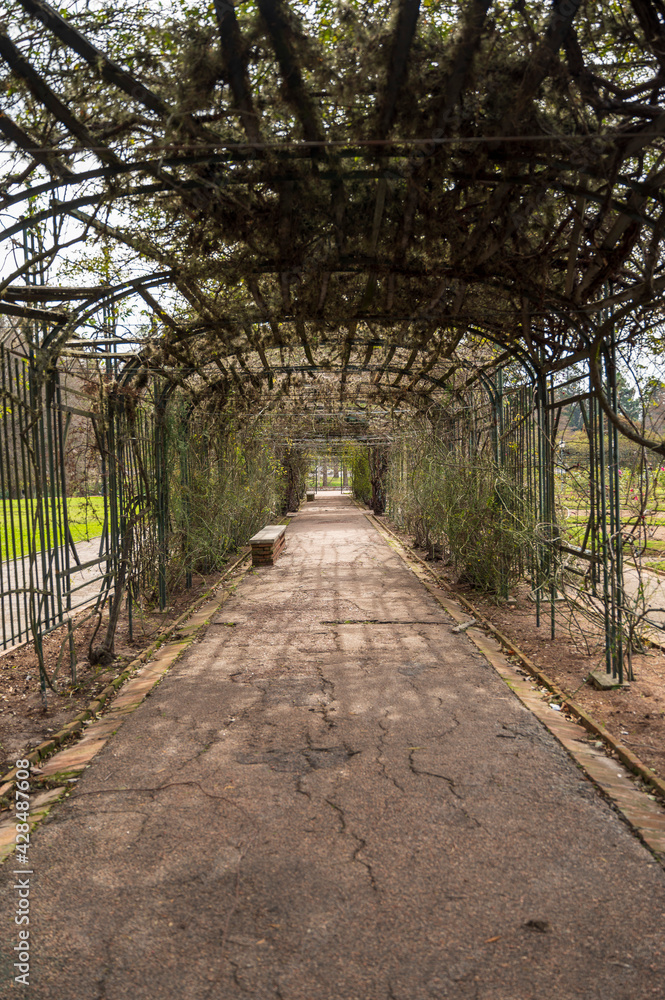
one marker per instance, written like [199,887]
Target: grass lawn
[86,519]
[573,499]
[333,484]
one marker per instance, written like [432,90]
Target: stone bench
[267,544]
[311,494]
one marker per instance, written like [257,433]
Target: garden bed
[633,715]
[23,721]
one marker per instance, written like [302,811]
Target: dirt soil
[24,722]
[635,714]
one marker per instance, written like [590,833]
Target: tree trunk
[378,465]
[103,653]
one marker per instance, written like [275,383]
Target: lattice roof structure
[338,205]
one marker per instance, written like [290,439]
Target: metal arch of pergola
[393,253]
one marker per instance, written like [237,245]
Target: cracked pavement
[331,796]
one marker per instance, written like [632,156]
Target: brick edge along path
[628,788]
[331,795]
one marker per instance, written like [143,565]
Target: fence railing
[77,476]
[53,512]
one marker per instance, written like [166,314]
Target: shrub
[361,477]
[475,511]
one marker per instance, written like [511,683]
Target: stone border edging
[626,756]
[64,766]
[76,725]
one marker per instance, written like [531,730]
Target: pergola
[387,192]
[312,210]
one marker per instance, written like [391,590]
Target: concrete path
[334,797]
[83,585]
[645,595]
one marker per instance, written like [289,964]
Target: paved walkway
[333,797]
[645,594]
[83,585]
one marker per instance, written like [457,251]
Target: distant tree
[628,398]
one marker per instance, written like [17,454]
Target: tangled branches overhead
[290,189]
